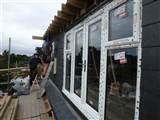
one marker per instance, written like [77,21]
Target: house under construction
[106,60]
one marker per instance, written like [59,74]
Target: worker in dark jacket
[33,63]
[47,50]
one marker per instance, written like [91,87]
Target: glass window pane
[121,21]
[68,71]
[68,42]
[121,83]
[78,62]
[93,72]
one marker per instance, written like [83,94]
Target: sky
[21,19]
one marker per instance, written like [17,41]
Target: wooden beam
[56,24]
[61,22]
[95,2]
[68,10]
[54,28]
[84,10]
[51,27]
[61,19]
[19,68]
[37,37]
[64,16]
[76,3]
[91,3]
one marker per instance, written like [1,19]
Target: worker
[33,64]
[47,50]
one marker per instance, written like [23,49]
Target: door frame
[77,29]
[81,104]
[133,41]
[64,56]
[98,18]
[138,76]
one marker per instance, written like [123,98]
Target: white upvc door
[78,63]
[93,39]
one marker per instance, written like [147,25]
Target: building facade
[105,60]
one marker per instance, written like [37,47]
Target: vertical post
[9,58]
[16,68]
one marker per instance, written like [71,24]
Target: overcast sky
[20,19]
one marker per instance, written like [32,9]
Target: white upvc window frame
[130,42]
[92,21]
[136,25]
[81,103]
[98,18]
[75,31]
[133,41]
[67,51]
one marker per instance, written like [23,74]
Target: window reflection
[121,21]
[68,42]
[93,72]
[68,71]
[78,62]
[121,83]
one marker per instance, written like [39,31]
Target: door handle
[84,65]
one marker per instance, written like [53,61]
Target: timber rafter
[70,12]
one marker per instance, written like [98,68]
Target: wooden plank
[20,110]
[7,101]
[76,3]
[15,109]
[18,68]
[11,110]
[33,108]
[37,37]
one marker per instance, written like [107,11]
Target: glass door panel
[93,66]
[121,84]
[78,62]
[68,71]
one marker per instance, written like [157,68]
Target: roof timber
[64,15]
[57,25]
[53,29]
[76,3]
[60,19]
[57,21]
[67,9]
[70,12]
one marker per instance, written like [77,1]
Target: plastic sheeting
[21,86]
